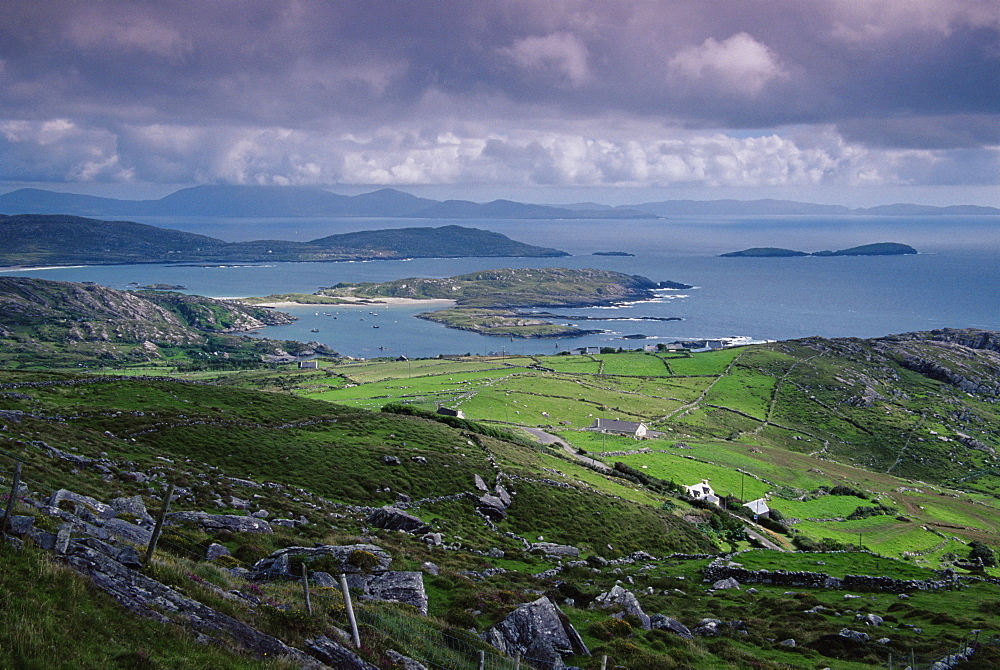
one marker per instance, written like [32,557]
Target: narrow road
[549,438]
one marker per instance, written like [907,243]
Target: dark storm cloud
[217,90]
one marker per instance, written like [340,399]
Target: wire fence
[436,648]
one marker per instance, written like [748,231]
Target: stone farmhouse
[616,427]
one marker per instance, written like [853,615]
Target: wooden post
[305,588]
[12,498]
[159,526]
[350,611]
[517,661]
[604,662]
[482,660]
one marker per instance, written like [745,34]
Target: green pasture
[594,443]
[883,534]
[571,364]
[632,365]
[704,363]
[743,391]
[835,564]
[822,507]
[724,481]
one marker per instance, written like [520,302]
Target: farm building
[617,427]
[585,350]
[308,365]
[702,491]
[758,507]
[445,411]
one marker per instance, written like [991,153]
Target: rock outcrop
[539,632]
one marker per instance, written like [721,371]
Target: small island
[611,253]
[487,302]
[877,249]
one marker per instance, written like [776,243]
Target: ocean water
[953,282]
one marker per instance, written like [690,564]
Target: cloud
[559,56]
[739,64]
[518,91]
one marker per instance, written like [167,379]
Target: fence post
[350,611]
[159,526]
[604,662]
[517,661]
[305,588]
[14,487]
[482,660]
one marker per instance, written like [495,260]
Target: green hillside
[63,324]
[887,443]
[38,239]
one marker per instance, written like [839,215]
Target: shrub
[365,561]
[610,628]
[982,552]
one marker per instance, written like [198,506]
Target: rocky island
[877,249]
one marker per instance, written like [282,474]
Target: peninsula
[487,302]
[33,239]
[877,249]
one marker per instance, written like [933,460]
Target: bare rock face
[392,518]
[621,602]
[539,632]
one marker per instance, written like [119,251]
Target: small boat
[374,326]
[314,330]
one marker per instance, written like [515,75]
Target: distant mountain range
[285,201]
[58,239]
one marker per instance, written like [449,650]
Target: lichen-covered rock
[392,518]
[728,583]
[230,522]
[662,622]
[555,550]
[399,587]
[539,632]
[622,602]
[278,564]
[336,655]
[216,550]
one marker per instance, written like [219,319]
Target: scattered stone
[495,553]
[869,619]
[260,514]
[430,568]
[492,507]
[790,642]
[391,460]
[707,627]
[855,635]
[728,583]
[479,483]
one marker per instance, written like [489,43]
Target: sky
[840,101]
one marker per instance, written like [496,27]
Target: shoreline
[353,302]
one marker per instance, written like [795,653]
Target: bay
[953,282]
